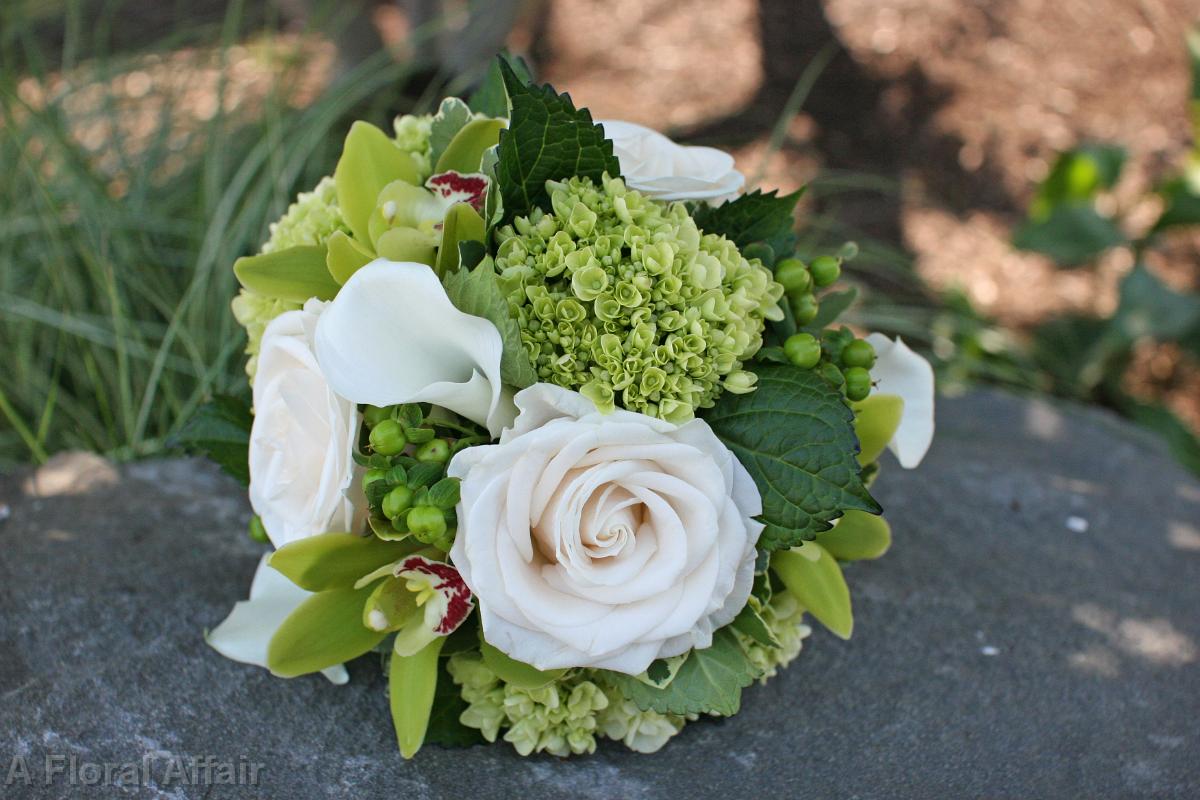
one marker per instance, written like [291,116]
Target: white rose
[662,169]
[302,441]
[392,336]
[901,372]
[603,540]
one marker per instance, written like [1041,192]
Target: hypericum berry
[427,523]
[825,270]
[387,438]
[373,415]
[858,383]
[803,350]
[804,308]
[397,501]
[859,353]
[830,372]
[436,451]
[372,475]
[793,275]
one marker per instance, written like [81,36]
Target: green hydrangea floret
[625,300]
[784,617]
[412,136]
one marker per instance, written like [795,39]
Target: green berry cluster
[800,280]
[406,485]
[624,299]
[840,358]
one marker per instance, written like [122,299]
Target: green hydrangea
[254,312]
[784,617]
[559,719]
[626,300]
[311,220]
[641,731]
[412,135]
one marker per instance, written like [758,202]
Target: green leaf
[754,217]
[370,160]
[1148,307]
[795,436]
[710,680]
[876,420]
[832,306]
[546,139]
[477,292]
[814,577]
[662,671]
[491,98]
[451,116]
[332,560]
[518,673]
[857,537]
[462,224]
[346,256]
[466,149]
[220,430]
[749,623]
[444,728]
[445,493]
[1181,205]
[412,685]
[1071,234]
[1077,176]
[325,630]
[294,274]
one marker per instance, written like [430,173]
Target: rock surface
[1035,632]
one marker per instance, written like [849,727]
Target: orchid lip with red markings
[460,187]
[445,580]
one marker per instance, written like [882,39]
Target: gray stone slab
[1001,650]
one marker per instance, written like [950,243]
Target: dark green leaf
[749,623]
[491,98]
[1181,205]
[448,705]
[220,429]
[833,305]
[1149,307]
[795,436]
[710,680]
[546,139]
[754,217]
[477,292]
[1071,234]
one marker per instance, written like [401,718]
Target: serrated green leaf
[412,685]
[876,420]
[518,673]
[294,274]
[749,623]
[220,430]
[546,139]
[813,576]
[491,98]
[370,160]
[710,680]
[477,292]
[1071,234]
[465,151]
[325,630]
[662,671]
[857,537]
[462,224]
[450,118]
[795,436]
[754,217]
[332,560]
[345,256]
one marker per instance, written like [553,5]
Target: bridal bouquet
[550,418]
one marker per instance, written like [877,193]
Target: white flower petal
[392,336]
[658,167]
[900,371]
[245,634]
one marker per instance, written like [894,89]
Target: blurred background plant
[147,145]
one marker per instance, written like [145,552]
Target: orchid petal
[901,372]
[393,336]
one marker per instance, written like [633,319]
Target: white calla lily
[901,372]
[392,336]
[245,634]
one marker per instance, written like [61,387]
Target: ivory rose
[302,440]
[603,540]
[664,170]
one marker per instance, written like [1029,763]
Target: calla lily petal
[901,372]
[393,336]
[244,635]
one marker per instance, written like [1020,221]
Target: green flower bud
[427,523]
[387,438]
[804,308]
[397,501]
[793,275]
[740,382]
[858,384]
[859,353]
[803,350]
[435,451]
[826,270]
